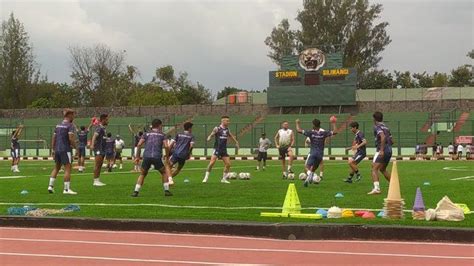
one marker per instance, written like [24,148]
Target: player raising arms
[82,136]
[136,138]
[317,137]
[98,142]
[284,140]
[383,154]
[360,152]
[181,146]
[154,141]
[63,142]
[15,148]
[221,134]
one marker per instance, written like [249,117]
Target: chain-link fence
[36,140]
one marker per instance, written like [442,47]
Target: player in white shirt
[451,150]
[119,146]
[284,141]
[460,151]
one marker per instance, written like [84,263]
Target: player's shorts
[220,153]
[313,160]
[451,152]
[262,156]
[118,155]
[63,158]
[109,155]
[176,160]
[385,159]
[358,157]
[283,151]
[82,152]
[15,153]
[148,162]
[99,153]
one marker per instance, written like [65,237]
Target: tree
[18,70]
[376,79]
[227,91]
[281,41]
[460,77]
[404,79]
[440,79]
[54,95]
[96,72]
[470,54]
[151,94]
[186,92]
[353,24]
[423,80]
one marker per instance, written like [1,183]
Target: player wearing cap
[264,144]
[62,143]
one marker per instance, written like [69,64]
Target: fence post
[37,137]
[399,138]
[205,140]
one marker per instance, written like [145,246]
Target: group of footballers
[178,150]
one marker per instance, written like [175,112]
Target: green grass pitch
[242,200]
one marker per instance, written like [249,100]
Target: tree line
[100,77]
[355,28]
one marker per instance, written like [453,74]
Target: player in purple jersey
[109,151]
[383,143]
[154,142]
[317,137]
[359,149]
[98,144]
[221,134]
[181,147]
[82,136]
[15,148]
[136,138]
[63,143]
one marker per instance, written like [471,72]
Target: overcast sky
[220,43]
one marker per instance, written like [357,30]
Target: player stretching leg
[360,152]
[383,142]
[63,142]
[82,136]
[284,140]
[154,142]
[15,149]
[136,137]
[263,144]
[182,146]
[221,134]
[317,137]
[98,142]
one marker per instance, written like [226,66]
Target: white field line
[238,249]
[111,258]
[85,231]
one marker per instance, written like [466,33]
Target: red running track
[28,246]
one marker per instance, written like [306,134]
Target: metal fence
[36,140]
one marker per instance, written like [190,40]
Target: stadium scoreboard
[312,79]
